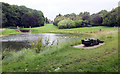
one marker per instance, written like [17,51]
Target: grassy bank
[9,32]
[50,28]
[65,58]
[43,29]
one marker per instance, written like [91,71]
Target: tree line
[102,18]
[13,15]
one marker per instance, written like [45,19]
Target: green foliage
[14,15]
[102,18]
[46,20]
[78,23]
[67,58]
[50,28]
[118,17]
[38,45]
[43,29]
[97,19]
[111,18]
[102,13]
[58,19]
[85,23]
[6,53]
[71,16]
[86,16]
[66,24]
[58,15]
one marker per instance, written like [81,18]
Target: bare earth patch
[89,47]
[105,32]
[2,35]
[2,29]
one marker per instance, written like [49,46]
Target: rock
[91,42]
[57,69]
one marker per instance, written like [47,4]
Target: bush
[58,19]
[66,24]
[78,23]
[38,44]
[111,18]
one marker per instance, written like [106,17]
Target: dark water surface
[19,41]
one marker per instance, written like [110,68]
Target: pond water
[20,41]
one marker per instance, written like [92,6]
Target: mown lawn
[43,29]
[50,28]
[9,32]
[64,57]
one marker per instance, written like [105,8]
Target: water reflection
[20,41]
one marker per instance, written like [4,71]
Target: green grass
[9,32]
[92,28]
[104,58]
[85,29]
[64,56]
[44,29]
[50,28]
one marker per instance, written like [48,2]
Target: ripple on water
[23,40]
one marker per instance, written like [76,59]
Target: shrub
[97,19]
[78,23]
[111,18]
[85,23]
[66,24]
[58,19]
[38,44]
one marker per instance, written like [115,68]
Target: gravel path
[90,47]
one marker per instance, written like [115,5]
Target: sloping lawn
[50,28]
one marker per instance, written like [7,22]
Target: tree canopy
[102,18]
[14,15]
[112,18]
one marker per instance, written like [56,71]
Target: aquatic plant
[38,44]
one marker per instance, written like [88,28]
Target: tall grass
[38,44]
[65,57]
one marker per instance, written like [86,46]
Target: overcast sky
[51,8]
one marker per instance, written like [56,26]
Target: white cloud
[51,8]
